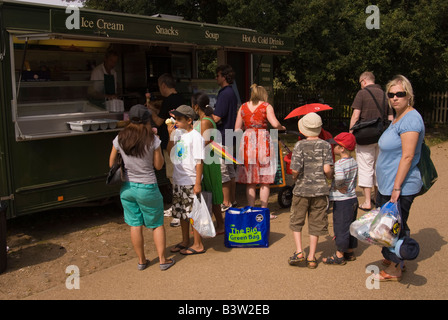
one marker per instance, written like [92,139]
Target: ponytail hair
[202,100]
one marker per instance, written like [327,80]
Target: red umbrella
[307,108]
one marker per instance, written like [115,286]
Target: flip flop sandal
[192,252]
[166,266]
[364,209]
[387,277]
[179,247]
[387,263]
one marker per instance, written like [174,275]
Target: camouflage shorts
[183,197]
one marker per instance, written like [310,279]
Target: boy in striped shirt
[345,202]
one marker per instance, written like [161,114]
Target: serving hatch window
[207,64]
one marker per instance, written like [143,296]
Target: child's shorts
[183,197]
[316,210]
[142,204]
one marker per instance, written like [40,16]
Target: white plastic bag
[200,218]
[360,228]
[380,226]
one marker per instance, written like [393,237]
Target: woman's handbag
[116,172]
[427,169]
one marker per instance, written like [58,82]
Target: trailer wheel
[285,197]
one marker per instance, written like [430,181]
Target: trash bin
[3,207]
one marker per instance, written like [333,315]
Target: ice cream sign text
[75,21]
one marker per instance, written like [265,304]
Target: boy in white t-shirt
[186,149]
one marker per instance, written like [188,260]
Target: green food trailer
[47,54]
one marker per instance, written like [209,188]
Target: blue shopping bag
[247,227]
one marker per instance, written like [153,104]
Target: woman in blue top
[400,145]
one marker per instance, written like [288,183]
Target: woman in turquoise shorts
[211,180]
[140,196]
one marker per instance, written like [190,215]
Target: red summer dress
[255,148]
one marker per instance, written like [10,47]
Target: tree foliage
[333,46]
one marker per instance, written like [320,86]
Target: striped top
[345,175]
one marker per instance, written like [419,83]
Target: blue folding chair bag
[247,227]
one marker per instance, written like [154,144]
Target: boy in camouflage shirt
[311,164]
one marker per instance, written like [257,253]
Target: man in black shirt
[172,100]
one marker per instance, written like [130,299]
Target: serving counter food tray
[92,125]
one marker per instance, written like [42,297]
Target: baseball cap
[310,125]
[139,114]
[345,139]
[184,111]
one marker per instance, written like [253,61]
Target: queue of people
[395,172]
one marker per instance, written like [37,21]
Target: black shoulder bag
[368,132]
[116,172]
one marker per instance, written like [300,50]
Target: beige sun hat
[310,125]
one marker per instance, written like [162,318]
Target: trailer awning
[109,26]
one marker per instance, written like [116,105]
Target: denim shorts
[142,204]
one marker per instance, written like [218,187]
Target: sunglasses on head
[399,94]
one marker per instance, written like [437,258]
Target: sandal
[143,266]
[311,264]
[383,276]
[335,260]
[387,263]
[349,256]
[167,265]
[177,248]
[295,259]
[364,209]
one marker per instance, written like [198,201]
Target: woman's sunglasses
[399,94]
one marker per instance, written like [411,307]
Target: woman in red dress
[255,148]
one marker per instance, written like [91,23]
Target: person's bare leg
[160,243]
[138,243]
[216,208]
[251,193]
[226,192]
[367,204]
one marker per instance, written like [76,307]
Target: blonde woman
[255,149]
[400,145]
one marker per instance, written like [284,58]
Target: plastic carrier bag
[247,227]
[386,226]
[200,218]
[380,226]
[360,228]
